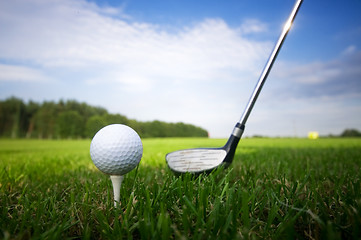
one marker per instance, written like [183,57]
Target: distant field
[275,189]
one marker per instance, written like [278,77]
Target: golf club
[199,160]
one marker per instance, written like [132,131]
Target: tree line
[72,119]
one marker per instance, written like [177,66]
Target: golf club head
[202,160]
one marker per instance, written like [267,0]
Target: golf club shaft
[267,69]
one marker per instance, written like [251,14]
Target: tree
[70,124]
[93,125]
[45,120]
[31,109]
[351,133]
[71,119]
[13,119]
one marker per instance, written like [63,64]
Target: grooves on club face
[204,160]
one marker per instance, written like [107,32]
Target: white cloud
[9,73]
[349,50]
[310,73]
[338,77]
[253,26]
[73,33]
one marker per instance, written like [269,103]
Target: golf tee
[116,182]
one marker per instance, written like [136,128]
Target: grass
[275,189]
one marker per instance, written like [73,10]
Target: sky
[189,61]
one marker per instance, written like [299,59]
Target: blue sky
[190,61]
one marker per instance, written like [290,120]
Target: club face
[196,160]
[200,160]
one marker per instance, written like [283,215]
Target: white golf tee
[117,182]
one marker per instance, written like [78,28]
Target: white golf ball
[116,149]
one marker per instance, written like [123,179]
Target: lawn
[275,189]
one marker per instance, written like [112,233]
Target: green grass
[275,189]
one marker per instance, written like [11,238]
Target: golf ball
[116,149]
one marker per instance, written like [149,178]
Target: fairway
[274,189]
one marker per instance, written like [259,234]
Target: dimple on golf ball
[116,149]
